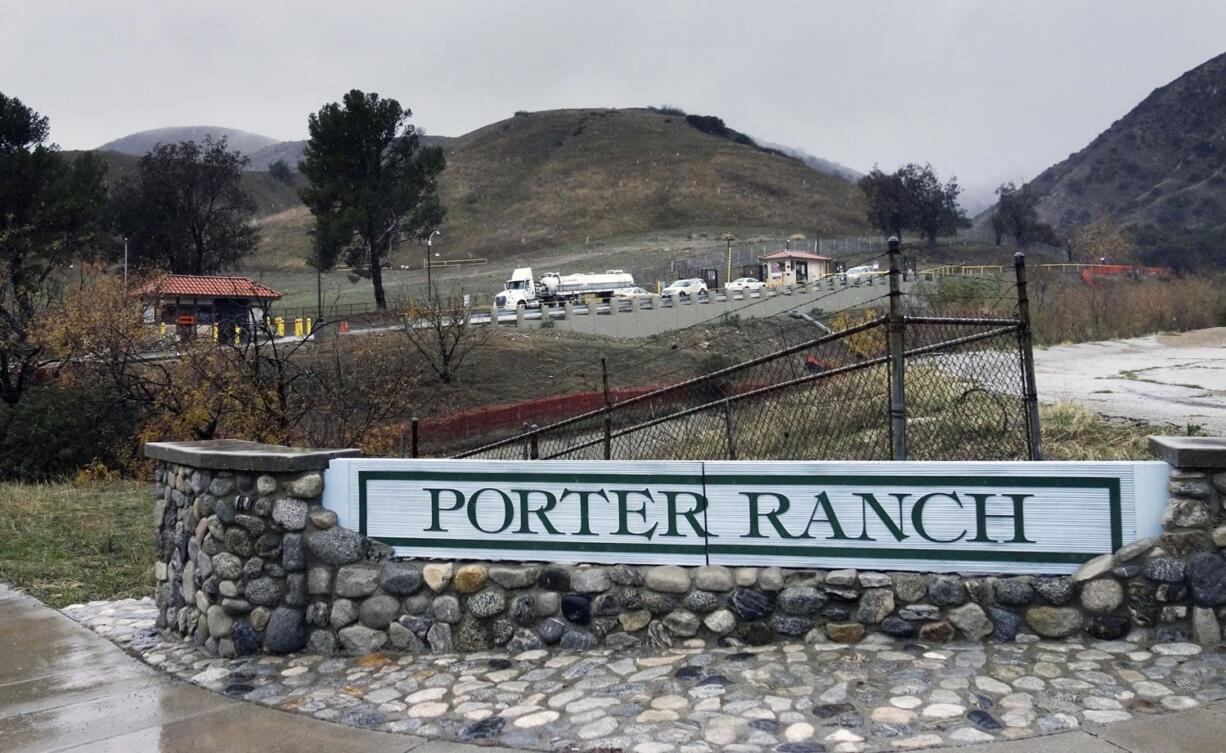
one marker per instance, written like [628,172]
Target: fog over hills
[143,141]
[1162,164]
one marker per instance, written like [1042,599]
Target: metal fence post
[731,433]
[898,399]
[413,436]
[1026,346]
[608,408]
[534,444]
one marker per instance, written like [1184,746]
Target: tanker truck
[553,288]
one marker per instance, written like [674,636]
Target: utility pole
[125,263]
[429,253]
[729,237]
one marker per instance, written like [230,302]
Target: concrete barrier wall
[652,317]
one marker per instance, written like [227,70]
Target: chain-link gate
[896,386]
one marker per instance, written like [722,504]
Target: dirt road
[1164,379]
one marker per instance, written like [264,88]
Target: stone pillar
[1194,527]
[237,526]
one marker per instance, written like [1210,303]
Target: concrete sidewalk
[63,687]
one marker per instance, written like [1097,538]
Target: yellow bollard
[308,326]
[280,326]
[215,333]
[298,327]
[238,335]
[162,329]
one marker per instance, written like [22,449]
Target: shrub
[56,430]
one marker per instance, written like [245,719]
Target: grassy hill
[561,177]
[544,179]
[1162,164]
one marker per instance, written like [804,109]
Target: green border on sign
[1111,485]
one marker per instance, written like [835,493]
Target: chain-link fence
[896,386]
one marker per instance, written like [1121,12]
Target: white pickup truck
[550,288]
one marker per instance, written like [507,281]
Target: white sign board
[1003,517]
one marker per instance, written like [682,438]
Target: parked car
[744,285]
[863,271]
[632,294]
[684,288]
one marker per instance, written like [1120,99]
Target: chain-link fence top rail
[826,398]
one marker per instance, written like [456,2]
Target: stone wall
[250,561]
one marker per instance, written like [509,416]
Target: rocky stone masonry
[252,562]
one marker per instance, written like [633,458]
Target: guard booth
[710,275]
[204,305]
[786,268]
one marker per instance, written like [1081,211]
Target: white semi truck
[552,288]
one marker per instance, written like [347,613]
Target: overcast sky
[986,90]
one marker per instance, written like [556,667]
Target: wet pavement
[1177,379]
[63,687]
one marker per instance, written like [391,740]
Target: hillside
[540,179]
[141,142]
[271,196]
[291,152]
[1163,164]
[544,179]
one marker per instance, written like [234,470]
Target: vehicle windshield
[517,284]
[678,283]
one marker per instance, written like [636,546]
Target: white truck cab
[520,290]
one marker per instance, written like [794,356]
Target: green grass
[66,544]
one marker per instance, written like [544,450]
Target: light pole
[429,253]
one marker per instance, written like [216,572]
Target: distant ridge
[541,179]
[1162,164]
[142,142]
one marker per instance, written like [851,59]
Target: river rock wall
[251,562]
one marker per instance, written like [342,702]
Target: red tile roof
[207,286]
[785,254]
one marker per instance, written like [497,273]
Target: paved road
[1166,379]
[65,688]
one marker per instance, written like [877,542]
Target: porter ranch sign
[969,517]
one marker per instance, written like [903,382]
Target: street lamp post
[430,253]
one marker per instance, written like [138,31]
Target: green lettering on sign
[508,510]
[1018,517]
[917,516]
[436,508]
[540,512]
[624,511]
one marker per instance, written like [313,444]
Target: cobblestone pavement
[879,694]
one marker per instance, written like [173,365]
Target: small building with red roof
[785,268]
[192,301]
